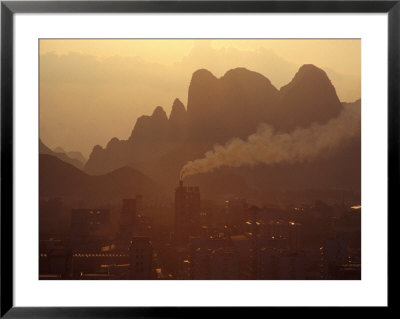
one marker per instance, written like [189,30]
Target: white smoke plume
[268,147]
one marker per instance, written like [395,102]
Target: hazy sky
[93,90]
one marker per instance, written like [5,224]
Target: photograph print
[199,159]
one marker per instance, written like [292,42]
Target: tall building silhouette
[89,227]
[295,236]
[141,258]
[128,217]
[334,255]
[187,212]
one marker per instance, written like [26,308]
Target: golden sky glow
[340,55]
[93,90]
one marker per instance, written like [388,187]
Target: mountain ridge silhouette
[59,179]
[218,110]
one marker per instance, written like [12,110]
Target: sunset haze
[94,90]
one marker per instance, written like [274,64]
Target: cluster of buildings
[237,242]
[248,243]
[94,252]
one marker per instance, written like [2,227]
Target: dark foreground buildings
[246,242]
[208,241]
[92,252]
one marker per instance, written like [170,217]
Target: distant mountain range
[62,155]
[220,109]
[59,179]
[72,154]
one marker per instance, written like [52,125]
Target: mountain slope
[60,179]
[43,149]
[309,97]
[72,154]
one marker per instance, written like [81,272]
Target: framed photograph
[161,155]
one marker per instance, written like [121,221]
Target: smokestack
[180,183]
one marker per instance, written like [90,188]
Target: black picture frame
[9,8]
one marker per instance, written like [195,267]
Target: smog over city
[192,159]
